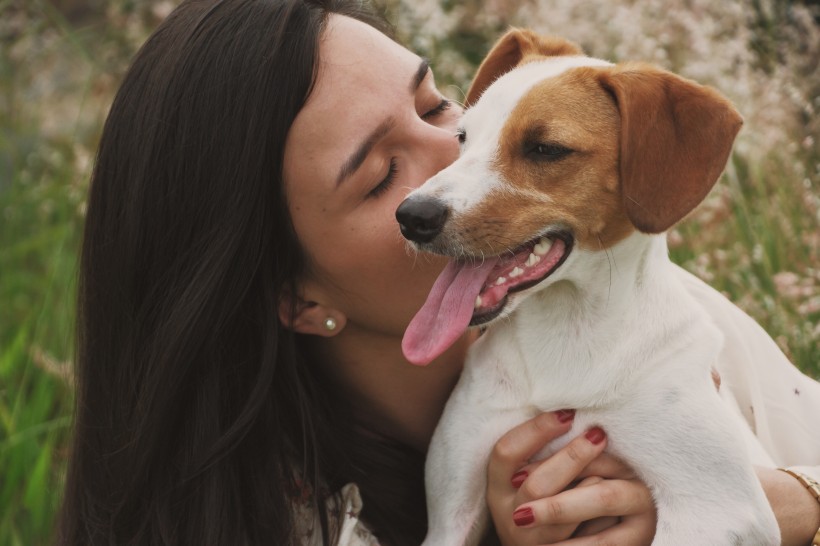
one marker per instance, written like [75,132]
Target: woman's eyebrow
[421,72]
[357,157]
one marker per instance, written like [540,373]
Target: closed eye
[387,181]
[444,105]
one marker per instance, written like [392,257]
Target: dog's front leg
[456,471]
[694,459]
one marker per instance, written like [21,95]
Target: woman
[243,293]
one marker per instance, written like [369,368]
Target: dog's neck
[618,314]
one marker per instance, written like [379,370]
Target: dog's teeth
[516,272]
[542,247]
[478,302]
[500,281]
[532,260]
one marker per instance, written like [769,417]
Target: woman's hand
[579,495]
[796,510]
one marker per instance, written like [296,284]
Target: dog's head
[558,151]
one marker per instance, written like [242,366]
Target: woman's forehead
[356,59]
[363,76]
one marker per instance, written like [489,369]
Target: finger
[612,468]
[563,467]
[595,526]
[553,533]
[592,480]
[605,498]
[608,466]
[515,448]
[633,530]
[523,473]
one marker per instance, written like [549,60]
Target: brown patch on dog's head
[626,147]
[575,182]
[516,47]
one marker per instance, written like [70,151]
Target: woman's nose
[444,147]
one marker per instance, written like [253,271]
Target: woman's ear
[309,317]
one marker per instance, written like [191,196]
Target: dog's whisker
[636,202]
[609,259]
[461,92]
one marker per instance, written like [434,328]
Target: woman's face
[374,128]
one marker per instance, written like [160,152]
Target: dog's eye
[549,152]
[461,135]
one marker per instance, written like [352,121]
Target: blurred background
[756,238]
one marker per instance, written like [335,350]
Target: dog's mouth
[470,292]
[524,268]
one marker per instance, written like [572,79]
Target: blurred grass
[759,244]
[40,224]
[59,62]
[756,238]
[38,244]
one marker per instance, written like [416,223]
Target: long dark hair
[198,419]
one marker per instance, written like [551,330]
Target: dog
[571,170]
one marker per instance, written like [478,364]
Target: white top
[353,532]
[778,404]
[774,402]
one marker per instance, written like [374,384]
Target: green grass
[38,244]
[756,238]
[47,129]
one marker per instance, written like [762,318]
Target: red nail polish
[523,516]
[595,435]
[518,478]
[565,415]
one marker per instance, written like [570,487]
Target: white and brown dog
[571,169]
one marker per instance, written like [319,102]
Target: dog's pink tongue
[447,312]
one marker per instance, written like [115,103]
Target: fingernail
[518,478]
[523,516]
[595,435]
[565,415]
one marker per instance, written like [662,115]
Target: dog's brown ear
[515,47]
[676,136]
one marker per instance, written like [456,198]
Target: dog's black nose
[421,219]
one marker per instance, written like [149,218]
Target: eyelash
[442,106]
[385,184]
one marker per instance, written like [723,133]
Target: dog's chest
[511,366]
[548,358]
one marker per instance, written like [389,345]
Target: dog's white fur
[612,334]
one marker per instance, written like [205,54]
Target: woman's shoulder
[347,505]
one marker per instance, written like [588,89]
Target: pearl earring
[330,324]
